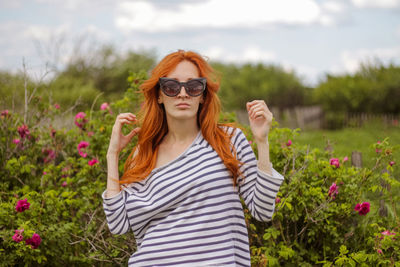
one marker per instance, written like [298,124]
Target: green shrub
[313,225]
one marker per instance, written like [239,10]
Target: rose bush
[52,179]
[317,219]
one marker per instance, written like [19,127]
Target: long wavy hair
[154,125]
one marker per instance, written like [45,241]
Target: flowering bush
[52,180]
[317,219]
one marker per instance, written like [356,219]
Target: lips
[183,105]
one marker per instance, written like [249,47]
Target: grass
[345,141]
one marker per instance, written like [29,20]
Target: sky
[310,37]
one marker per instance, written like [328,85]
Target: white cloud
[332,12]
[376,3]
[10,4]
[250,54]
[40,44]
[43,33]
[78,5]
[144,16]
[333,6]
[351,60]
[253,54]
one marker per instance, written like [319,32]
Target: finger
[130,117]
[253,103]
[249,105]
[125,121]
[133,133]
[126,116]
[259,114]
[257,108]
[253,111]
[119,124]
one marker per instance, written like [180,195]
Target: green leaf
[343,250]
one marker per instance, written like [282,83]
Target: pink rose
[391,163]
[16,141]
[23,131]
[34,241]
[334,162]
[277,200]
[357,207]
[82,145]
[5,114]
[362,208]
[333,191]
[93,162]
[56,106]
[289,143]
[387,233]
[49,155]
[104,106]
[64,184]
[22,205]
[17,237]
[379,251]
[345,159]
[80,119]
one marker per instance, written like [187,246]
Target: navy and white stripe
[188,212]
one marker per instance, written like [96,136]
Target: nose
[182,92]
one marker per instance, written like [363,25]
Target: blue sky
[310,37]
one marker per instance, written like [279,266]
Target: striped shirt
[187,212]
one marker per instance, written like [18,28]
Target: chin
[184,115]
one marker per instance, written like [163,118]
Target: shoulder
[235,134]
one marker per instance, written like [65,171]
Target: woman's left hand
[260,119]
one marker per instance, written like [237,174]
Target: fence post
[356,159]
[382,208]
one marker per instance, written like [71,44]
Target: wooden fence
[312,117]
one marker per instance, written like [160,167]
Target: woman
[182,182]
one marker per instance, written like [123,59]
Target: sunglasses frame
[163,80]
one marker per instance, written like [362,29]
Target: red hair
[154,124]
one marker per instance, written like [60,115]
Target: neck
[181,131]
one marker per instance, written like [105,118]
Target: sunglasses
[193,87]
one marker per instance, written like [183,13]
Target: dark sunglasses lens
[171,88]
[195,87]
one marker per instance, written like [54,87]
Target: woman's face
[182,106]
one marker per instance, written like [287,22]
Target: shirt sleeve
[257,188]
[115,211]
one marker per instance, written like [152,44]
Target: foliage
[101,73]
[311,227]
[63,189]
[375,88]
[276,86]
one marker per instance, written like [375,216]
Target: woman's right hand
[119,141]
